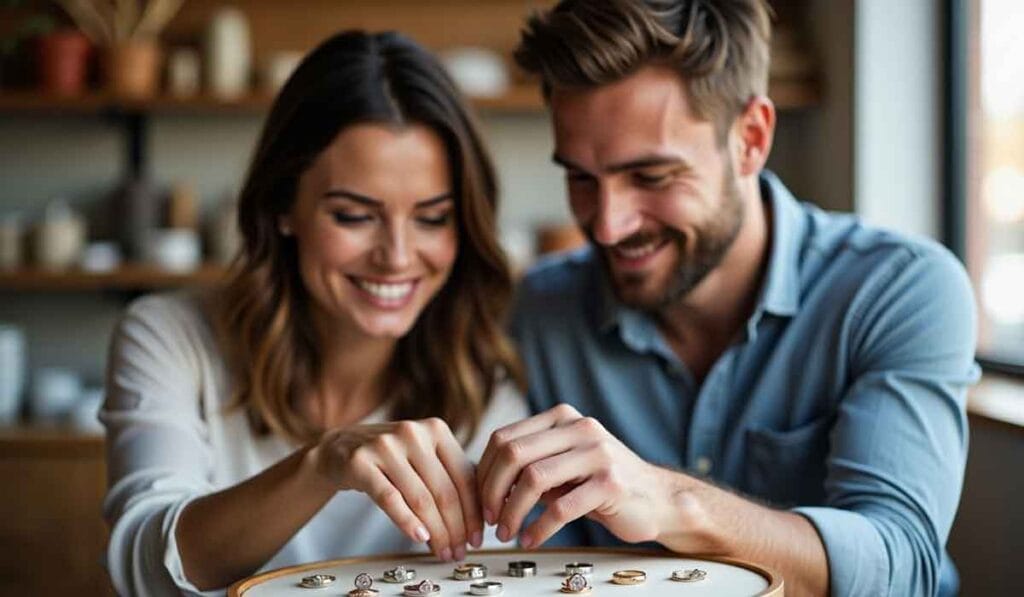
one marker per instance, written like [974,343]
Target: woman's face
[375,225]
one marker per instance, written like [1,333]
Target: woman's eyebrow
[371,202]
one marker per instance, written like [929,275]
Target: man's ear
[756,129]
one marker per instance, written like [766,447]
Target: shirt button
[703,465]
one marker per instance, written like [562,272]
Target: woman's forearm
[227,535]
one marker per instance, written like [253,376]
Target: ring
[689,575]
[399,574]
[576,584]
[522,568]
[488,587]
[470,572]
[629,577]
[364,586]
[317,581]
[584,568]
[426,588]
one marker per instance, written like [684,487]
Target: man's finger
[512,459]
[572,467]
[576,504]
[552,417]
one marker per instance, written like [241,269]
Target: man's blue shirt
[843,399]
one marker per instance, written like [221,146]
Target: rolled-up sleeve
[899,443]
[158,456]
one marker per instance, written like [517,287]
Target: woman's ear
[284,225]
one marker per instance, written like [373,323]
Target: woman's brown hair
[455,355]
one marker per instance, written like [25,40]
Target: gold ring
[629,577]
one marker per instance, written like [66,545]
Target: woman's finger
[427,464]
[396,466]
[390,500]
[463,475]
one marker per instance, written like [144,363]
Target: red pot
[63,62]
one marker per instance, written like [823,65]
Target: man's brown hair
[720,48]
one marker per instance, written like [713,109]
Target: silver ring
[693,575]
[316,581]
[425,588]
[577,584]
[522,568]
[470,571]
[487,587]
[399,574]
[584,568]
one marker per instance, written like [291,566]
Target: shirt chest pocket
[787,468]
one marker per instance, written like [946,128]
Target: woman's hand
[416,472]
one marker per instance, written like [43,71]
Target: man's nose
[616,219]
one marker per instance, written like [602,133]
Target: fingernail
[422,535]
[460,553]
[446,554]
[477,539]
[488,516]
[503,533]
[525,541]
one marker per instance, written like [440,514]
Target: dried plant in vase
[127,30]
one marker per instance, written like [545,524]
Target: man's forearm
[702,518]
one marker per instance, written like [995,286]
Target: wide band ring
[522,569]
[584,568]
[487,587]
[470,571]
[629,577]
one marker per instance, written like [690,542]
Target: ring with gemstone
[576,584]
[629,577]
[399,574]
[425,588]
[693,575]
[317,581]
[522,569]
[470,571]
[364,586]
[487,587]
[584,568]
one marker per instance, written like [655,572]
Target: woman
[328,401]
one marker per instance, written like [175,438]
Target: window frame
[960,30]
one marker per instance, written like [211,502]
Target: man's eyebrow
[647,161]
[371,202]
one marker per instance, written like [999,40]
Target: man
[725,370]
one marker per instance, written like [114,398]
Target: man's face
[649,184]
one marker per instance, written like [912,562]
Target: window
[985,205]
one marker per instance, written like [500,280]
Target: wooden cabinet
[52,536]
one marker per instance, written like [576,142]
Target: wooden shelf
[518,99]
[787,94]
[129,277]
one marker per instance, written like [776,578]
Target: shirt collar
[780,293]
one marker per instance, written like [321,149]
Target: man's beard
[713,241]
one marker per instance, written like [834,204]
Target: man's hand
[577,468]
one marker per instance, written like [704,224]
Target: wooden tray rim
[775,583]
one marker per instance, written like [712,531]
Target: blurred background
[126,127]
